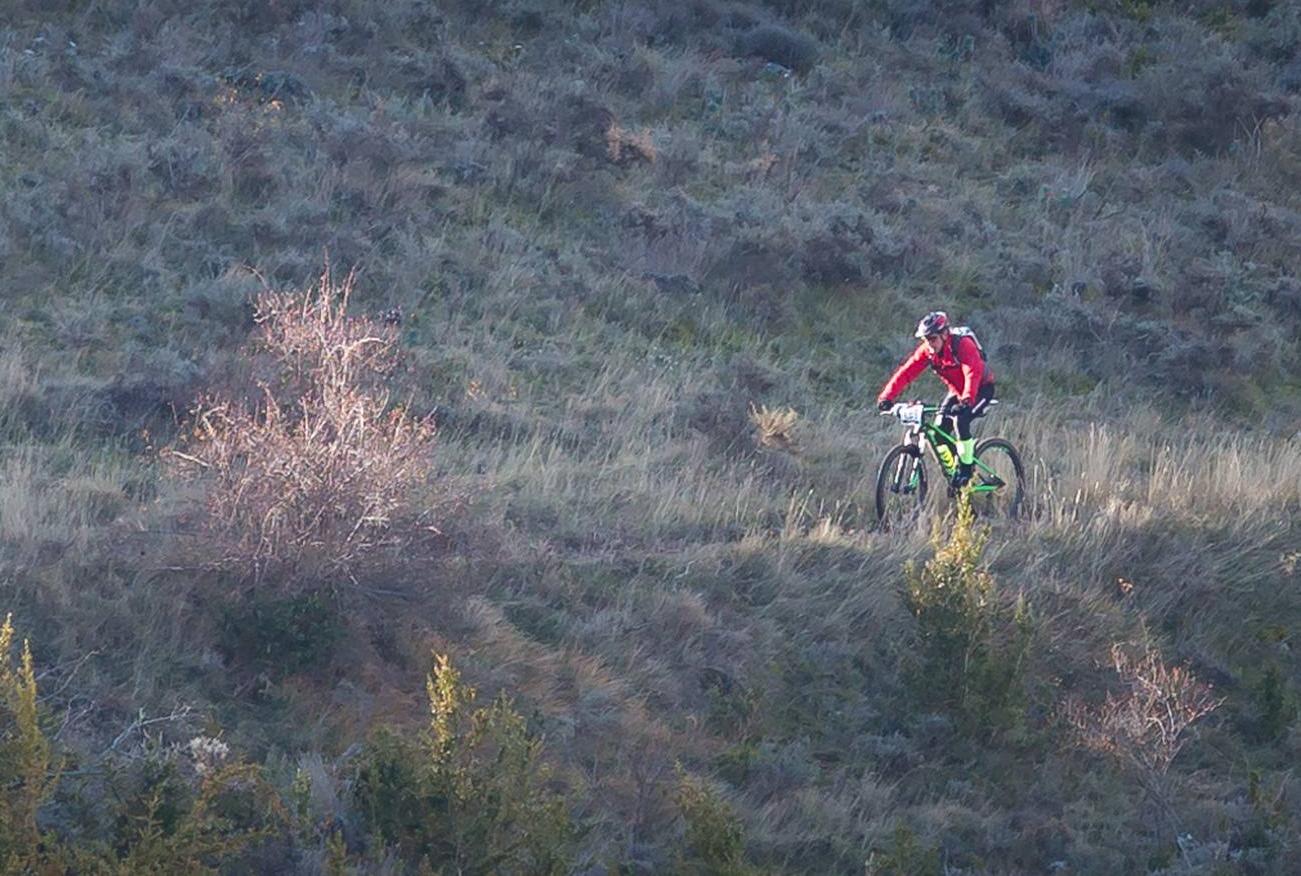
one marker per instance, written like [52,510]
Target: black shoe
[962,476]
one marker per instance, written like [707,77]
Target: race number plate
[910,415]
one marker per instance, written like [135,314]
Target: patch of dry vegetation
[314,469]
[1146,725]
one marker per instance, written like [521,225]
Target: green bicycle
[997,486]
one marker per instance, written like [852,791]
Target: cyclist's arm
[905,374]
[973,368]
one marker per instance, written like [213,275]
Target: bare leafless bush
[1145,725]
[315,469]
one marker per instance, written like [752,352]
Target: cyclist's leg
[966,443]
[943,421]
[946,450]
[983,398]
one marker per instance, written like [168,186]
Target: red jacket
[959,365]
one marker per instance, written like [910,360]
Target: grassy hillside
[605,236]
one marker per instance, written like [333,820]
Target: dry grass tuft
[56,503]
[630,147]
[774,426]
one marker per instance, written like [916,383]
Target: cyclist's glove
[955,408]
[884,404]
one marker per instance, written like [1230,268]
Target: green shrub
[714,839]
[25,762]
[282,636]
[170,820]
[1263,835]
[971,646]
[470,794]
[904,856]
[1272,706]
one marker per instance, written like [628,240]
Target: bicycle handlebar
[900,408]
[897,405]
[911,414]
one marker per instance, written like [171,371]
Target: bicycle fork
[906,477]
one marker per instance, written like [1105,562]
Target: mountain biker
[959,361]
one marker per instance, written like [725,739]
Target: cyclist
[959,361]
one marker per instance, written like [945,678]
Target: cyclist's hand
[884,404]
[954,408]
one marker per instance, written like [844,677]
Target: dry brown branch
[1145,725]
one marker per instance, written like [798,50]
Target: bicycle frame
[927,431]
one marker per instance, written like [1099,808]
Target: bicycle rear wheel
[998,481]
[900,486]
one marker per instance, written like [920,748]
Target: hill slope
[606,231]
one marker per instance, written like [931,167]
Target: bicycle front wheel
[998,481]
[900,486]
